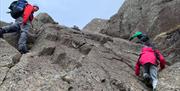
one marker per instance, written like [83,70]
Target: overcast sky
[70,12]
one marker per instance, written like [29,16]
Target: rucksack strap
[157,57]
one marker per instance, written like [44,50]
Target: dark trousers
[23,30]
[151,70]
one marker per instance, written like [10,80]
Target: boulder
[95,25]
[8,54]
[9,57]
[41,19]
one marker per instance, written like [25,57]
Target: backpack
[17,8]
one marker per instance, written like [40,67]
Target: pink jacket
[148,56]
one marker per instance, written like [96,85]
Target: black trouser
[151,70]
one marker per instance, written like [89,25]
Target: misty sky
[70,12]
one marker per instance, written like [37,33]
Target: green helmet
[135,35]
[138,33]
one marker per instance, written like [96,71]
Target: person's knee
[11,28]
[23,35]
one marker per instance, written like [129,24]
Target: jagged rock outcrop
[42,18]
[150,16]
[96,25]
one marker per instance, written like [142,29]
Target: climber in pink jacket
[149,59]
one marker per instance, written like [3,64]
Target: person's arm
[137,67]
[162,61]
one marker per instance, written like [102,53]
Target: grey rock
[9,56]
[95,25]
[31,73]
[47,51]
[85,49]
[41,19]
[11,38]
[149,16]
[169,78]
[3,72]
[64,59]
[79,62]
[169,43]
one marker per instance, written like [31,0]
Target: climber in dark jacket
[22,23]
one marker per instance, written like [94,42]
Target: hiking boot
[23,52]
[1,33]
[147,79]
[146,76]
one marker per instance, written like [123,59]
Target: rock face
[150,16]
[64,59]
[67,60]
[96,25]
[169,43]
[9,56]
[169,78]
